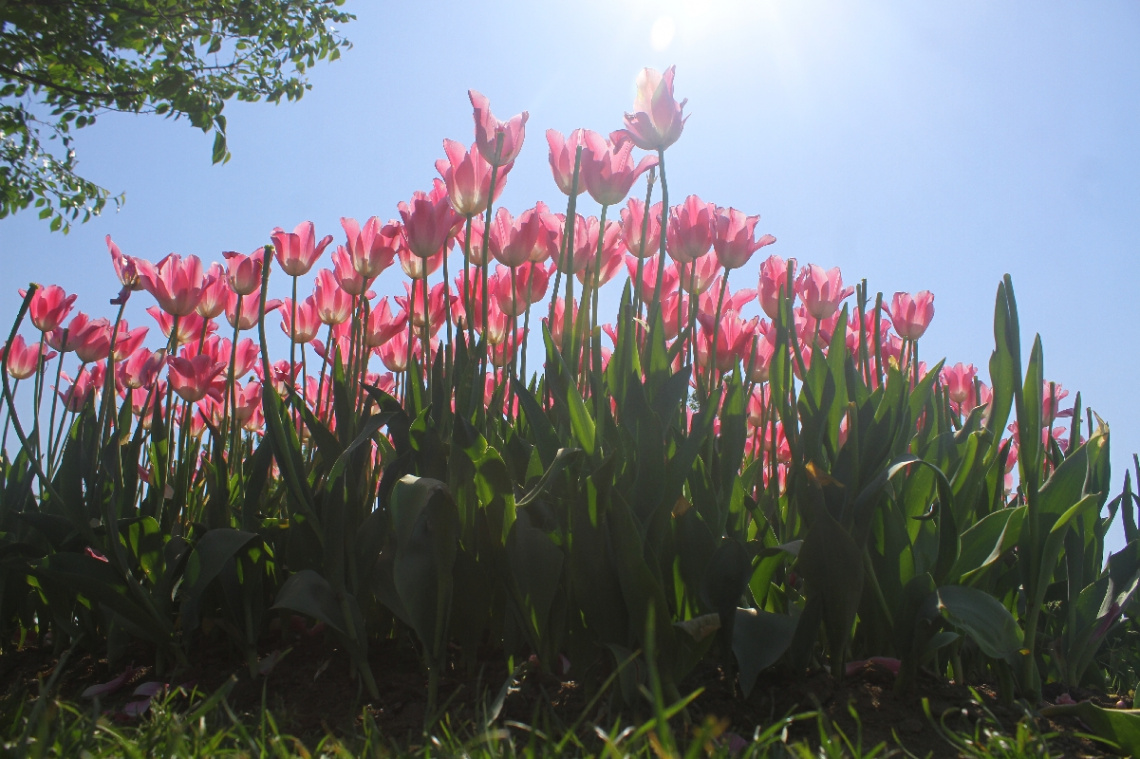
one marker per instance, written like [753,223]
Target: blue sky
[934,145]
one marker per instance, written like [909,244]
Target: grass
[198,725]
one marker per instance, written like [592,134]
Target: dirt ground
[311,691]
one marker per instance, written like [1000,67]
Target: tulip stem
[655,306]
[486,240]
[468,302]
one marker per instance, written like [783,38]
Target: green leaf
[1120,727]
[982,617]
[832,567]
[759,639]
[210,554]
[307,593]
[987,541]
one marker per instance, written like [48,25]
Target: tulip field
[474,461]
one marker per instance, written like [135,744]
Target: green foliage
[62,64]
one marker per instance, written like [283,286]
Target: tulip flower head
[822,290]
[734,241]
[656,121]
[689,232]
[244,272]
[773,279]
[467,176]
[193,378]
[49,307]
[498,141]
[22,359]
[563,151]
[176,283]
[911,314]
[608,169]
[298,250]
[633,221]
[429,221]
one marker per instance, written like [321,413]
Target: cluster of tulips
[678,262]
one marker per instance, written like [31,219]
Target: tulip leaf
[759,639]
[987,541]
[983,618]
[1118,727]
[306,592]
[212,551]
[832,566]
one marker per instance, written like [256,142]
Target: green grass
[207,726]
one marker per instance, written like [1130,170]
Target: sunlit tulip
[244,272]
[608,170]
[514,240]
[689,231]
[83,389]
[562,154]
[372,247]
[334,305]
[215,291]
[649,276]
[656,121]
[498,141]
[633,221]
[125,269]
[49,307]
[250,309]
[911,314]
[698,276]
[429,220]
[92,341]
[822,290]
[394,352]
[437,306]
[586,242]
[530,282]
[559,315]
[734,241]
[298,250]
[382,325]
[415,267]
[23,358]
[467,175]
[128,341]
[193,378]
[140,369]
[175,282]
[345,275]
[773,279]
[189,327]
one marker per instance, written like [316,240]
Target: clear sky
[935,145]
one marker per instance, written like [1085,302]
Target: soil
[312,691]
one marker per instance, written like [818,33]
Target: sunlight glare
[661,35]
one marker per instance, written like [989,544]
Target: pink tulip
[559,315]
[822,290]
[280,374]
[394,352]
[731,336]
[959,382]
[429,221]
[912,314]
[415,267]
[334,306]
[83,389]
[773,279]
[437,306]
[563,151]
[734,242]
[515,241]
[613,252]
[140,369]
[373,247]
[298,250]
[346,276]
[649,277]
[467,176]
[49,307]
[530,283]
[250,309]
[23,358]
[189,327]
[656,121]
[128,340]
[193,378]
[697,277]
[633,221]
[126,270]
[308,321]
[608,169]
[761,348]
[215,291]
[689,232]
[1051,395]
[175,282]
[91,341]
[244,272]
[488,131]
[383,326]
[586,242]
